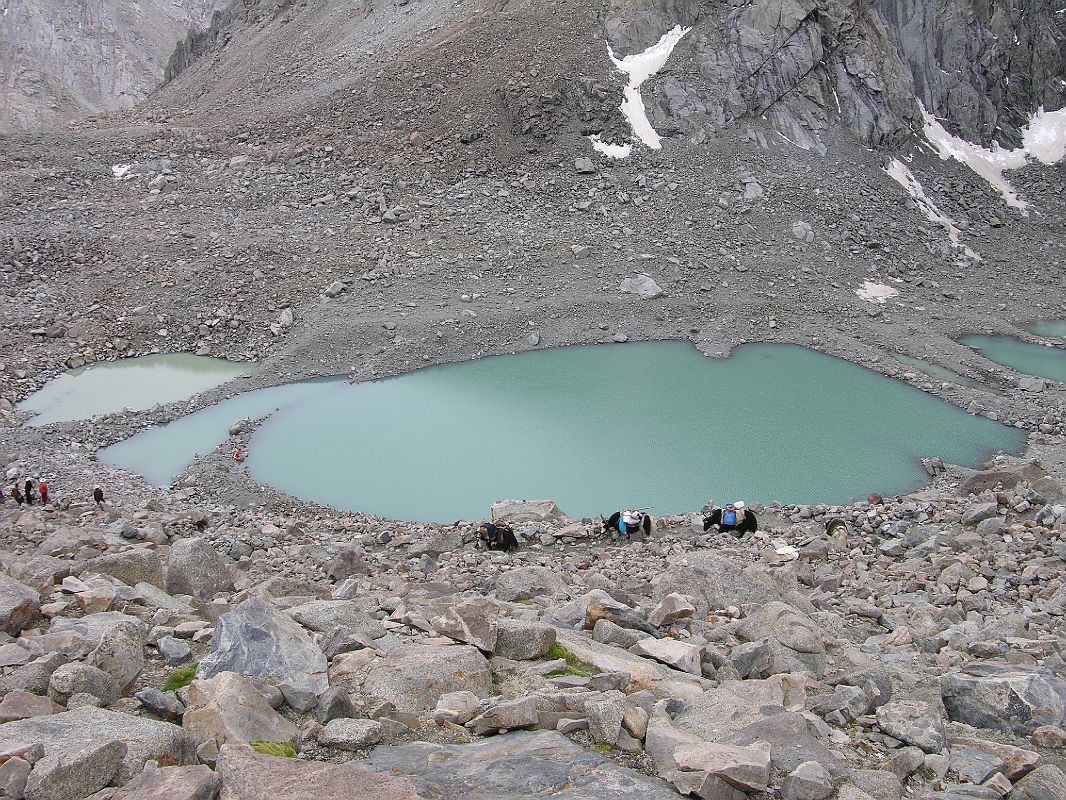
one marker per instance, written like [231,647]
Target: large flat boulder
[331,616]
[229,708]
[645,673]
[246,775]
[1007,476]
[167,783]
[1004,697]
[257,640]
[715,582]
[515,512]
[414,677]
[527,582]
[535,766]
[717,715]
[75,731]
[131,567]
[198,569]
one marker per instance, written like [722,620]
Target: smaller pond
[136,383]
[593,428]
[1051,327]
[161,453]
[1032,359]
[941,373]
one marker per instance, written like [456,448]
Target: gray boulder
[1004,697]
[472,621]
[196,568]
[528,582]
[351,734]
[167,783]
[20,606]
[246,775]
[523,640]
[604,712]
[414,677]
[229,708]
[256,640]
[73,773]
[72,732]
[80,678]
[545,765]
[809,781]
[714,582]
[913,722]
[506,716]
[641,285]
[131,567]
[120,654]
[331,616]
[515,512]
[797,634]
[1044,783]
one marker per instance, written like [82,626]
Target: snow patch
[989,164]
[120,171]
[876,292]
[611,150]
[1044,138]
[639,67]
[898,172]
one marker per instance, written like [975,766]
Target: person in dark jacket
[17,493]
[735,518]
[28,492]
[98,495]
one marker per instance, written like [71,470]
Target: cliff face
[983,65]
[62,59]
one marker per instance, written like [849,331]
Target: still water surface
[1032,359]
[594,428]
[136,383]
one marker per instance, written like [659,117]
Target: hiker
[628,521]
[497,536]
[98,495]
[735,518]
[28,492]
[42,490]
[16,493]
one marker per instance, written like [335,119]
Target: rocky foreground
[193,653]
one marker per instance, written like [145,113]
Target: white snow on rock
[639,67]
[898,172]
[1044,138]
[611,150]
[120,171]
[989,164]
[876,292]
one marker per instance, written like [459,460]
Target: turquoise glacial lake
[1053,327]
[593,428]
[135,383]
[1032,359]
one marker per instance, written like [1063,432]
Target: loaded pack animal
[628,521]
[497,536]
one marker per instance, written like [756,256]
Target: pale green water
[594,428]
[940,373]
[161,453]
[1032,359]
[136,383]
[1054,327]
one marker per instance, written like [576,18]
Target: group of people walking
[33,490]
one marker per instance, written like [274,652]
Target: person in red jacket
[42,490]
